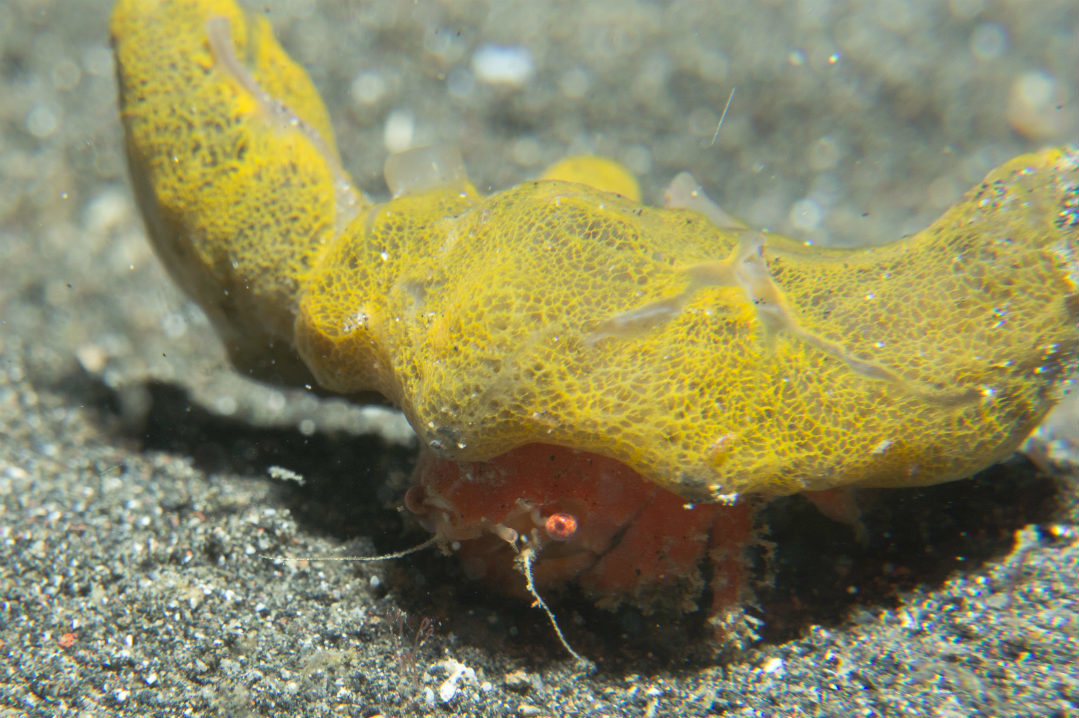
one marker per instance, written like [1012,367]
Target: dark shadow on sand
[817,573]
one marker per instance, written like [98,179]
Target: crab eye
[416,500]
[561,526]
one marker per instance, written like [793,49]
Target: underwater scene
[539,359]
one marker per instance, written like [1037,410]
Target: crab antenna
[524,561]
[384,557]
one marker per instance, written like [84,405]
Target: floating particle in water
[510,65]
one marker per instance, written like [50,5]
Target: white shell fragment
[510,65]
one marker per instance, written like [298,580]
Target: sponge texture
[712,363]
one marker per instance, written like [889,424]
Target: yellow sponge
[713,361]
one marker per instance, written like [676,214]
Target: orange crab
[557,516]
[589,520]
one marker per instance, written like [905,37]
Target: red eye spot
[561,527]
